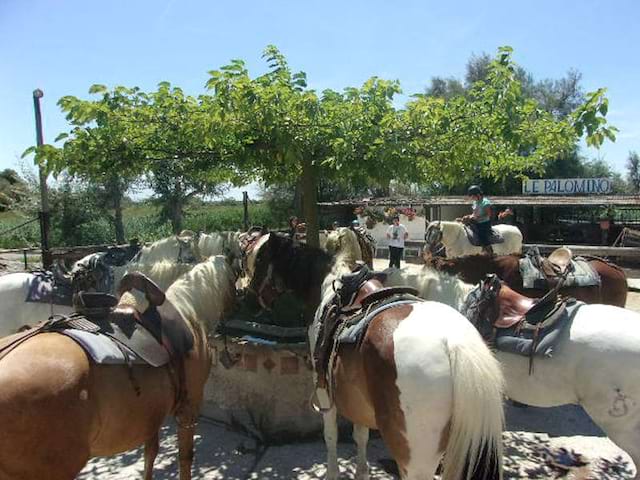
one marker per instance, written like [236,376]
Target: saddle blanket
[472,235]
[116,341]
[521,341]
[353,333]
[102,349]
[583,274]
[43,289]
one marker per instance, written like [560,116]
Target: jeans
[484,233]
[395,255]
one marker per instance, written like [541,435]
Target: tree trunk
[310,201]
[175,210]
[117,220]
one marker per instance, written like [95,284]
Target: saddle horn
[153,293]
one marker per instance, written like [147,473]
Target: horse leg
[330,423]
[151,448]
[185,449]
[361,437]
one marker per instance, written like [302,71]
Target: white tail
[475,435]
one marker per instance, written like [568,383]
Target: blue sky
[63,47]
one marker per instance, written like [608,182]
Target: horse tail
[477,420]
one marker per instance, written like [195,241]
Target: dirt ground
[532,434]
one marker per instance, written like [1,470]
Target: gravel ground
[223,454]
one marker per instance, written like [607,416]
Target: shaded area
[225,454]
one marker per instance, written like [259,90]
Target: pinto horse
[473,269]
[421,375]
[597,366]
[454,237]
[58,408]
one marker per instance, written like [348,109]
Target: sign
[567,186]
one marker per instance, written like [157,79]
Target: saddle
[472,235]
[556,266]
[345,318]
[519,324]
[157,337]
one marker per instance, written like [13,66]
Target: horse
[597,366]
[413,376]
[454,237]
[58,408]
[473,269]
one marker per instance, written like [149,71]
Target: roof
[511,201]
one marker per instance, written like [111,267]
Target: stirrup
[321,400]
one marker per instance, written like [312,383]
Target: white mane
[204,294]
[345,241]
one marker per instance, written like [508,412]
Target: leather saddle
[518,324]
[361,291]
[516,309]
[556,266]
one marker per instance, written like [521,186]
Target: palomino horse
[596,366]
[421,374]
[58,408]
[473,269]
[454,237]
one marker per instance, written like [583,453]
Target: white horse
[421,375]
[597,367]
[454,237]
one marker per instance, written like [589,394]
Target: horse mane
[345,241]
[205,293]
[159,250]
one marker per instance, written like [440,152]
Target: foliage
[140,221]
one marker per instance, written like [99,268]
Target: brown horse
[58,408]
[474,268]
[421,373]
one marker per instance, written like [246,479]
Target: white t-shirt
[397,235]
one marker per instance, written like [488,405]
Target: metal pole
[245,205]
[47,259]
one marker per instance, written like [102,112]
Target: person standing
[397,234]
[481,216]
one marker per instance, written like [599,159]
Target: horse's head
[188,247]
[481,306]
[260,261]
[91,273]
[433,234]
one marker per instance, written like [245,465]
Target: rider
[481,216]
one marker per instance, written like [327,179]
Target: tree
[101,146]
[633,171]
[177,143]
[290,132]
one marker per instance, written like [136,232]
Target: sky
[63,47]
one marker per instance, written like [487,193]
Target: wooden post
[47,259]
[245,206]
